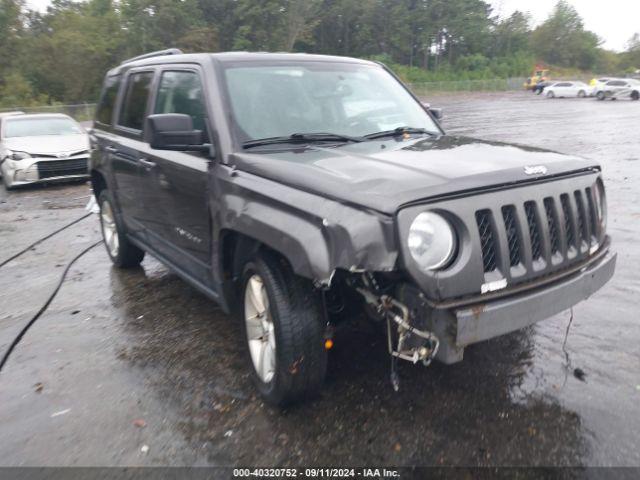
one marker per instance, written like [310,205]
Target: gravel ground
[138,368]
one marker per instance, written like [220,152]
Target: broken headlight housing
[432,241]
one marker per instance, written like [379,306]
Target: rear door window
[134,105]
[181,92]
[104,111]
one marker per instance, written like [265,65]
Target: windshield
[319,97]
[33,127]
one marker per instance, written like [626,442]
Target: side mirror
[436,112]
[173,131]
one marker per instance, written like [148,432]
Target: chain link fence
[82,112]
[490,85]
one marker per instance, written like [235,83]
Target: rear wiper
[398,131]
[302,138]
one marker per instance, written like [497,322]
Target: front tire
[121,251]
[6,183]
[635,95]
[283,324]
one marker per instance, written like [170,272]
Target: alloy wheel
[109,229]
[260,328]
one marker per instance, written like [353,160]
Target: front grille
[62,168]
[554,229]
[487,240]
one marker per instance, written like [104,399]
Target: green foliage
[10,31]
[630,60]
[16,91]
[61,55]
[562,39]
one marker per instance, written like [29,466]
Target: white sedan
[568,89]
[41,148]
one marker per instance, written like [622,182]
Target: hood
[386,175]
[48,144]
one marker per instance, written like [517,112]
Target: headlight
[431,241]
[17,155]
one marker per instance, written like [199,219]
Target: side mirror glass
[174,131]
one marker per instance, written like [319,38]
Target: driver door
[178,220]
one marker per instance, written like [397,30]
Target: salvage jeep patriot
[291,187]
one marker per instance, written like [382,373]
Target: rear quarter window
[106,104]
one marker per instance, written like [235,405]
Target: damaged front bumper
[34,170]
[463,325]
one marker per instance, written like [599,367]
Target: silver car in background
[41,148]
[619,88]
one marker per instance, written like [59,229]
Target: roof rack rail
[159,53]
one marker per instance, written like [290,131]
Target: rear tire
[582,94]
[600,95]
[121,251]
[551,95]
[283,324]
[635,95]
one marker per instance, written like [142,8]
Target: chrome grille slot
[552,225]
[593,217]
[487,240]
[568,223]
[509,216]
[534,230]
[581,219]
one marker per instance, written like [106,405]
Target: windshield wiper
[302,138]
[398,131]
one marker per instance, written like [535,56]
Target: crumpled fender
[317,235]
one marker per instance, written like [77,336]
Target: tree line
[61,55]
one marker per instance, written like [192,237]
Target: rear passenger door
[615,86]
[177,215]
[124,150]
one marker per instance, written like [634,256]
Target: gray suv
[300,191]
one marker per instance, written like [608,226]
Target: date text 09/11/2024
[316,472]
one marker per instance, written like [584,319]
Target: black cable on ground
[43,239]
[46,305]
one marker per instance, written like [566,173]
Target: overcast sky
[615,21]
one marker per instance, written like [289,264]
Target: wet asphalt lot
[126,359]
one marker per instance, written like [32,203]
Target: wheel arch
[235,248]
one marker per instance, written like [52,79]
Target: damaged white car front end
[58,150]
